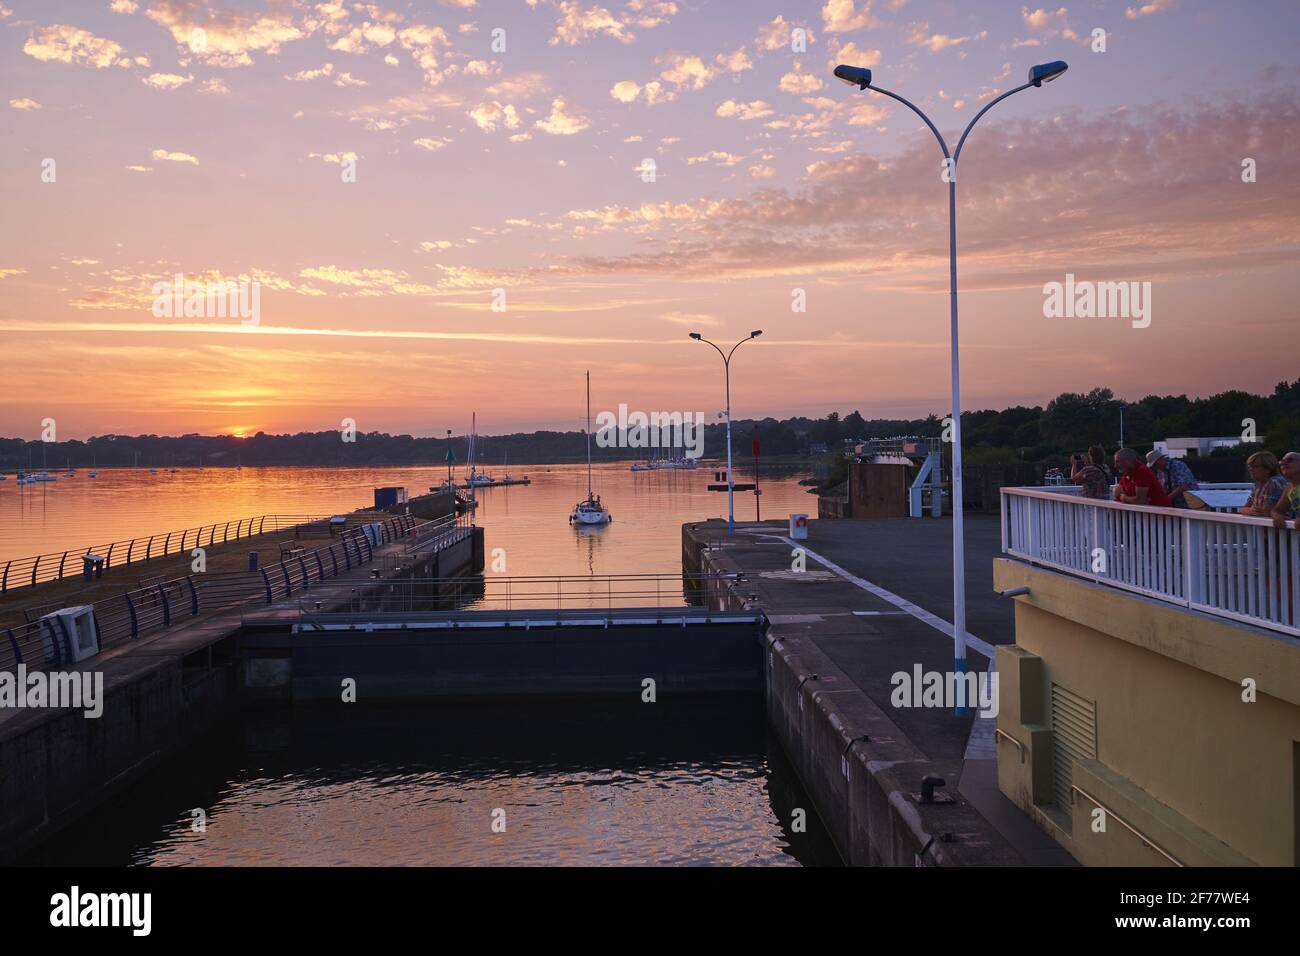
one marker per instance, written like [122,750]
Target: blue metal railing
[55,566]
[144,611]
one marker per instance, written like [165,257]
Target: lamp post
[726,365]
[1038,75]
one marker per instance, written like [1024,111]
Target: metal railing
[1227,565]
[542,592]
[57,565]
[432,534]
[1200,485]
[144,611]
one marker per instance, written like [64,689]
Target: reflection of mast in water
[590,536]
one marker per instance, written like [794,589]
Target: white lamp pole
[726,365]
[1038,75]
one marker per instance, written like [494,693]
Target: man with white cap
[1174,476]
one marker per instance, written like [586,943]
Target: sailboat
[476,479]
[506,479]
[34,476]
[589,510]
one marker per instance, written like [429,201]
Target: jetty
[171,660]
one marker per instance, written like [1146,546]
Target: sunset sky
[522,170]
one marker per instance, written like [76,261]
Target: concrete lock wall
[58,764]
[1180,757]
[859,770]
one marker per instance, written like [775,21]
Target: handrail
[1019,746]
[28,571]
[1146,840]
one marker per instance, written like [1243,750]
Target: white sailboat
[32,477]
[476,479]
[590,510]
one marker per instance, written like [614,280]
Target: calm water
[583,783]
[530,522]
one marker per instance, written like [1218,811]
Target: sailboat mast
[588,434]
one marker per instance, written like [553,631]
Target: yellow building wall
[1180,757]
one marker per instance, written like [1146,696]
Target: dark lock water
[540,783]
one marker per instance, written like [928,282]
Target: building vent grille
[1074,735]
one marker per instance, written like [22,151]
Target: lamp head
[696,336]
[1046,72]
[756,333]
[853,75]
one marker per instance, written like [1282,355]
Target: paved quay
[875,599]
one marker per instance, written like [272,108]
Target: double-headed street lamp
[726,364]
[1038,75]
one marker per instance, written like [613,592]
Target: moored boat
[589,511]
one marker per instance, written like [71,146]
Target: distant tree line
[1070,422]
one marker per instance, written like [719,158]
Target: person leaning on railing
[1269,485]
[1175,477]
[1138,484]
[1288,505]
[1090,473]
[1097,455]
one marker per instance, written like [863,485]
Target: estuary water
[529,521]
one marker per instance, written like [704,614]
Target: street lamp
[726,364]
[1038,75]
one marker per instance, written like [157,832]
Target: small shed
[389,497]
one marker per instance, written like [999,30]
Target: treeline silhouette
[1069,422]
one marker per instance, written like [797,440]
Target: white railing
[1223,564]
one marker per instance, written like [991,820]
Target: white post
[731,483]
[958,537]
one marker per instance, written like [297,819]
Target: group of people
[1163,482]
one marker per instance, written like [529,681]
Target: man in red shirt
[1138,484]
